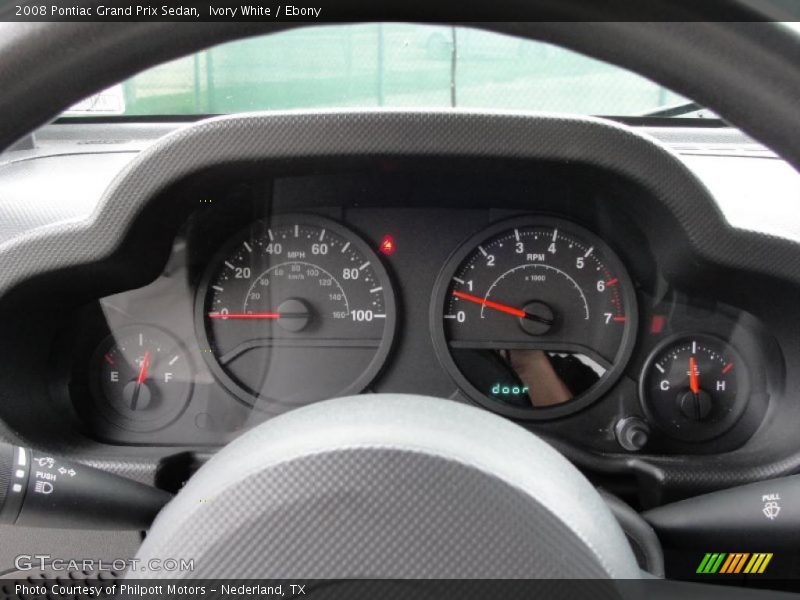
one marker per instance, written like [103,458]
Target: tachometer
[295,310]
[534,317]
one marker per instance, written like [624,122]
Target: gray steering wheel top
[390,486]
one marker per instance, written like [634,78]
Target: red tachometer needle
[694,384]
[263,315]
[489,304]
[143,369]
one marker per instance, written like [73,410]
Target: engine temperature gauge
[695,387]
[142,378]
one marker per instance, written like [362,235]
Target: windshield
[385,65]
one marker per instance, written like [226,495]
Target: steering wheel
[402,486]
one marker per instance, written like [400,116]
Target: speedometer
[534,317]
[295,310]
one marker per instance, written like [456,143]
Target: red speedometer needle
[262,315]
[489,304]
[694,384]
[143,369]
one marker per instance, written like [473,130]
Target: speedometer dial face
[295,310]
[534,317]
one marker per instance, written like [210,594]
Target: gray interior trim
[754,189]
[369,134]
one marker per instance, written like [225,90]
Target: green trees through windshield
[389,65]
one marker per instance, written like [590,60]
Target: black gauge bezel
[697,432]
[108,412]
[275,405]
[610,259]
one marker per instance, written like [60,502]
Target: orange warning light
[387,245]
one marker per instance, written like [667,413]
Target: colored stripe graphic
[733,563]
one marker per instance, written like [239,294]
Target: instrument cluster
[531,315]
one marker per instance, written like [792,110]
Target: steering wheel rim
[389,486]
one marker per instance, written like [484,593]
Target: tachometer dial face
[296,310]
[695,387]
[534,317]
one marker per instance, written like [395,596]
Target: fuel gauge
[695,387]
[142,378]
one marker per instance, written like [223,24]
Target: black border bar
[464,11]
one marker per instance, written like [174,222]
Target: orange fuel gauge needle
[694,383]
[143,368]
[140,379]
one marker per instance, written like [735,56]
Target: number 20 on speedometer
[534,317]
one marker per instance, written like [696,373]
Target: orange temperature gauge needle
[694,383]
